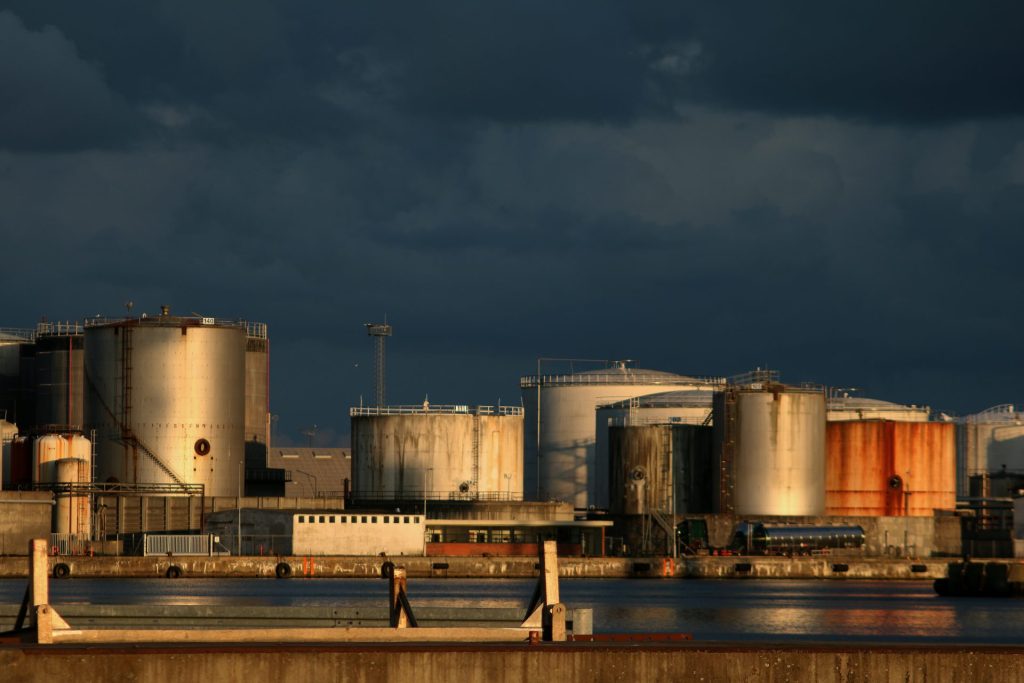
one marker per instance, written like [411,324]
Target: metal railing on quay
[413,496]
[360,411]
[70,544]
[182,544]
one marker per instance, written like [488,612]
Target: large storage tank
[561,434]
[686,407]
[888,468]
[447,452]
[17,349]
[770,450]
[59,376]
[988,442]
[166,396]
[65,459]
[845,408]
[257,395]
[660,468]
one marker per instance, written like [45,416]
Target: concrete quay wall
[473,663]
[493,567]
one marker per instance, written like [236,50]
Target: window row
[356,519]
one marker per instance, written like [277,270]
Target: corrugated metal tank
[888,468]
[661,468]
[65,459]
[449,452]
[59,375]
[561,433]
[987,442]
[166,396]
[770,450]
[844,408]
[257,395]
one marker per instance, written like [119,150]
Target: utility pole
[381,331]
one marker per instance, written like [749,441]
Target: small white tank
[65,459]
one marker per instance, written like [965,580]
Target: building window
[386,519]
[373,520]
[332,519]
[364,519]
[302,519]
[416,520]
[343,519]
[405,520]
[321,519]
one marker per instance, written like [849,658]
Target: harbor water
[711,610]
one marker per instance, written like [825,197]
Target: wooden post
[38,574]
[400,609]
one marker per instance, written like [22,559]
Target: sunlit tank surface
[15,360]
[844,408]
[561,456]
[660,468]
[446,452]
[257,394]
[770,450]
[686,407]
[59,375]
[885,468]
[988,442]
[166,396]
[65,459]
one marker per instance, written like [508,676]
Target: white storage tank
[770,450]
[166,396]
[446,452]
[65,459]
[561,450]
[989,442]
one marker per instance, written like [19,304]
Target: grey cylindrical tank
[17,349]
[58,375]
[401,452]
[660,468]
[166,396]
[770,447]
[560,448]
[257,394]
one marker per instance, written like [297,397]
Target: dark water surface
[745,610]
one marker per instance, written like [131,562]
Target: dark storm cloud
[833,190]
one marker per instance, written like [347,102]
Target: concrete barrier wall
[495,567]
[24,515]
[468,663]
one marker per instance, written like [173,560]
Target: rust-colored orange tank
[885,468]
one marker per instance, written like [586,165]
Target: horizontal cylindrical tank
[561,455]
[660,468]
[885,468]
[166,396]
[845,408]
[59,375]
[449,452]
[770,450]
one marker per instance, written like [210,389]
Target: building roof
[312,472]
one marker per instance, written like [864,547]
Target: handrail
[530,381]
[362,411]
[18,333]
[58,328]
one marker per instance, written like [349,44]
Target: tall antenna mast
[381,331]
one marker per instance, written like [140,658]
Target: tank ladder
[475,485]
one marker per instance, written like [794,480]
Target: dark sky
[835,190]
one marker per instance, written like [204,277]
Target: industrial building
[561,435]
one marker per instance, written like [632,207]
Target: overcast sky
[834,190]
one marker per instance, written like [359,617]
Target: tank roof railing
[1000,413]
[648,420]
[58,328]
[756,376]
[530,381]
[17,333]
[362,411]
[252,329]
